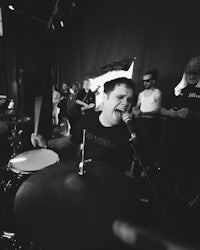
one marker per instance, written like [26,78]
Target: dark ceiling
[41,9]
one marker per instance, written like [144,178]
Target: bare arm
[56,144]
[158,101]
[84,105]
[79,102]
[136,109]
[172,112]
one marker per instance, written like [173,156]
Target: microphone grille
[126,117]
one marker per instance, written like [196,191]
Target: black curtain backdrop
[26,44]
[162,35]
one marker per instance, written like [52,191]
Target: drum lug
[7,186]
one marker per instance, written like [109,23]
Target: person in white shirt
[149,100]
[148,106]
[55,100]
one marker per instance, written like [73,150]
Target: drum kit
[55,207]
[17,170]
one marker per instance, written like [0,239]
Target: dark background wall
[162,35]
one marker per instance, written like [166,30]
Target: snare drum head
[33,160]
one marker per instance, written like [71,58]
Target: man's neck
[149,91]
[103,121]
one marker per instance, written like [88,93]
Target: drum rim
[11,167]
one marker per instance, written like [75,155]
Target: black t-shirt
[106,144]
[86,97]
[63,103]
[189,98]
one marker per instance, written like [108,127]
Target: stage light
[61,23]
[11,7]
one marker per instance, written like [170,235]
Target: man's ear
[105,96]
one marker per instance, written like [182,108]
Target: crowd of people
[71,103]
[149,106]
[106,135]
[149,110]
[127,131]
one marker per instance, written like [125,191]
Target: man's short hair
[109,86]
[75,84]
[153,73]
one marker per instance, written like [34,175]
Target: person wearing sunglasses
[147,110]
[149,100]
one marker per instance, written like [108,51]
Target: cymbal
[13,119]
[59,209]
[23,119]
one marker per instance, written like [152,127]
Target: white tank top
[149,104]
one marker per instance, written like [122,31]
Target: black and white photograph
[99,125]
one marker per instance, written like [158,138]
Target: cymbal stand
[82,170]
[81,164]
[15,139]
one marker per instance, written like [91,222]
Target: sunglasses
[147,80]
[192,73]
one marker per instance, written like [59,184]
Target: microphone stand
[137,160]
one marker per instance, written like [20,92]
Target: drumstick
[37,110]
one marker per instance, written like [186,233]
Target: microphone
[126,118]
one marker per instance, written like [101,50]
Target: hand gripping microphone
[126,118]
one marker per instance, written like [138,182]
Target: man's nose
[125,102]
[192,76]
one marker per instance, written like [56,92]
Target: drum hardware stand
[14,241]
[82,163]
[15,139]
[9,183]
[16,145]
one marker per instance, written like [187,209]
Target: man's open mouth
[119,113]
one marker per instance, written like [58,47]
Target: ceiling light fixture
[11,7]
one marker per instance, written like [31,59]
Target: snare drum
[32,160]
